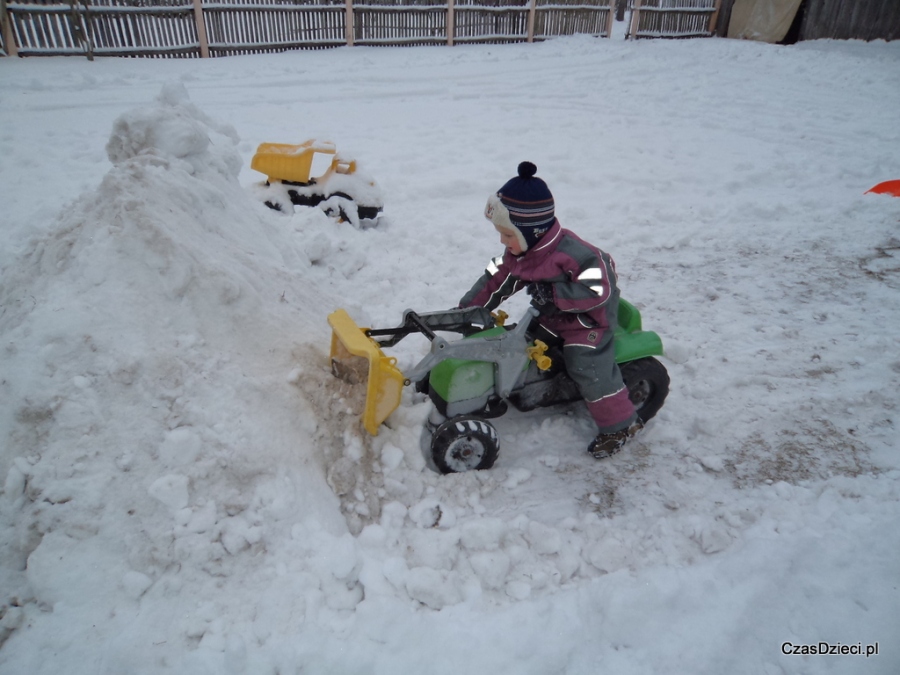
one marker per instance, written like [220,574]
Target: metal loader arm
[464,321]
[506,351]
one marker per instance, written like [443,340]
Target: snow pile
[186,488]
[152,433]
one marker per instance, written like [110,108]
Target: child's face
[510,241]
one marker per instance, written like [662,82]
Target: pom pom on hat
[527,170]
[527,205]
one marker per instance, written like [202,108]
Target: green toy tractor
[474,379]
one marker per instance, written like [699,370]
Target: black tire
[464,443]
[648,385]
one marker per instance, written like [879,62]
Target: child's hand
[541,292]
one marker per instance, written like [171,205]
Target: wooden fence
[841,19]
[836,19]
[673,18]
[192,28]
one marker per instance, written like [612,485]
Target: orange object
[888,187]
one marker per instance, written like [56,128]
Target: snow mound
[148,338]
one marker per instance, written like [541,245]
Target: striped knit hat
[524,205]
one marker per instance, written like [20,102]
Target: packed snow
[187,489]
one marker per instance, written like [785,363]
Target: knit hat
[523,205]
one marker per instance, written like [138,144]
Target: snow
[186,488]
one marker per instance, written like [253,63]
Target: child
[573,286]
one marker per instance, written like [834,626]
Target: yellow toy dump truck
[342,191]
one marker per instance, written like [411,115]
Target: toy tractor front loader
[357,357]
[473,379]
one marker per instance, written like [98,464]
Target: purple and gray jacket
[583,279]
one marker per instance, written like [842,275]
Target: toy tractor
[474,379]
[342,191]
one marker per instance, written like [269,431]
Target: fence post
[714,18]
[635,20]
[451,21]
[348,23]
[201,29]
[9,40]
[81,27]
[531,9]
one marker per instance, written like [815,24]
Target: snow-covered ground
[185,491]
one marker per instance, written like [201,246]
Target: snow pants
[591,363]
[599,380]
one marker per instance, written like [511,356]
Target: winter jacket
[585,296]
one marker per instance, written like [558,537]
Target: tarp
[763,20]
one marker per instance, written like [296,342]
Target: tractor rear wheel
[648,385]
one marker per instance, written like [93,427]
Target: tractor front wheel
[464,443]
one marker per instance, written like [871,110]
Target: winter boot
[606,445]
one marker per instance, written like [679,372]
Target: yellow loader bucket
[384,381]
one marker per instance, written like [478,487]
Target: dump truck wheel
[464,443]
